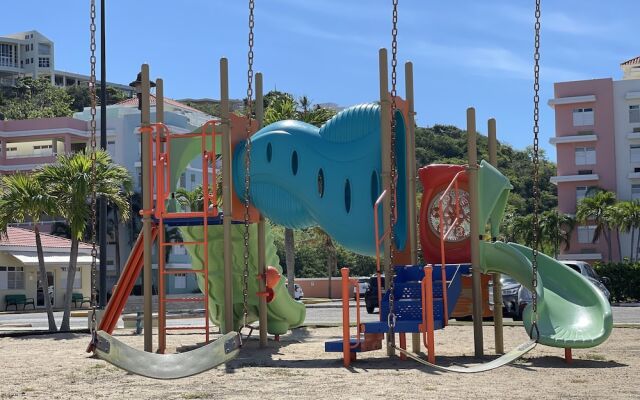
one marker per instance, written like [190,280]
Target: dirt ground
[56,367]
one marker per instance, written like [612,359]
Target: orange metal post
[403,344]
[346,339]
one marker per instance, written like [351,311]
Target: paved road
[325,313]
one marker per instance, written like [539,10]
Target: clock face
[462,230]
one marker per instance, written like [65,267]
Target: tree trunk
[633,234]
[637,244]
[607,238]
[619,244]
[332,259]
[290,260]
[71,275]
[44,282]
[116,228]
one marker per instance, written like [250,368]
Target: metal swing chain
[536,177]
[247,168]
[92,91]
[391,319]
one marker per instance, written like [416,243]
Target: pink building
[28,144]
[594,122]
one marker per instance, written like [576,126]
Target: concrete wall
[319,287]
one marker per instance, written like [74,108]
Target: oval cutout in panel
[321,183]
[294,162]
[347,196]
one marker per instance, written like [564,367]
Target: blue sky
[465,53]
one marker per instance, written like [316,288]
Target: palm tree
[70,180]
[556,229]
[595,209]
[23,198]
[628,220]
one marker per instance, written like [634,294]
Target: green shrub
[625,280]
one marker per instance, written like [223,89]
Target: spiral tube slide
[572,312]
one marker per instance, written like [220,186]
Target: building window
[634,114]
[8,55]
[585,155]
[582,116]
[44,49]
[180,281]
[111,147]
[635,192]
[11,278]
[183,180]
[12,152]
[634,153]
[43,150]
[585,233]
[581,193]
[43,62]
[77,279]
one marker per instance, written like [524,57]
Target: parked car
[363,285]
[510,288]
[371,294]
[298,294]
[523,296]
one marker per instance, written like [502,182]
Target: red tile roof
[632,61]
[133,102]
[19,237]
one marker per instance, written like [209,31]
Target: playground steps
[408,304]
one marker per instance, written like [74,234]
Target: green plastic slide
[284,312]
[572,312]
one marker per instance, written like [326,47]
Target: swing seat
[503,360]
[167,366]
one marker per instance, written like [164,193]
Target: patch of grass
[98,366]
[595,357]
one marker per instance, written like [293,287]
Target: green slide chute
[572,312]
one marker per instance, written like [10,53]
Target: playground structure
[355,177]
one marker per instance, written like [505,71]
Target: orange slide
[125,284]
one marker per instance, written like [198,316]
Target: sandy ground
[56,367]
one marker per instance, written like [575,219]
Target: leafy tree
[628,220]
[36,98]
[556,229]
[596,209]
[22,198]
[81,96]
[69,180]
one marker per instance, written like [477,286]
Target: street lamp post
[143,87]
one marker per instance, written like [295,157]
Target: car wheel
[370,309]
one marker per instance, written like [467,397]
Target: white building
[626,108]
[32,54]
[123,143]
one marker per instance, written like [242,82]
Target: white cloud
[489,61]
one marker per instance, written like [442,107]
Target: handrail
[443,236]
